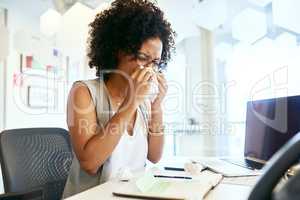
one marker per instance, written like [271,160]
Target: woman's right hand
[139,85]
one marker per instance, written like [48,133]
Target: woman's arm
[156,135]
[93,144]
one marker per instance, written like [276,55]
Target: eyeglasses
[145,60]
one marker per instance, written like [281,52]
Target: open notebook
[169,188]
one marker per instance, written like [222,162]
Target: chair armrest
[36,195]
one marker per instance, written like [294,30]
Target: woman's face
[148,56]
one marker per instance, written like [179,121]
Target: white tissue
[124,174]
[193,168]
[154,89]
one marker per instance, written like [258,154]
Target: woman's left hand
[163,88]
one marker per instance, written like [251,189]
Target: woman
[113,122]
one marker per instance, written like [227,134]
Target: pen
[174,168]
[181,177]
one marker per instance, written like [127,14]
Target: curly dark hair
[124,27]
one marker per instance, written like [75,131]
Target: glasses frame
[157,66]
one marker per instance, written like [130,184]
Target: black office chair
[35,162]
[275,169]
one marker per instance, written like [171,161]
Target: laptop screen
[270,123]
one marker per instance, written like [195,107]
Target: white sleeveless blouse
[130,153]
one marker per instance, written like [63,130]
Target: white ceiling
[63,5]
[179,12]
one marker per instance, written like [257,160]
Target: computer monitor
[270,123]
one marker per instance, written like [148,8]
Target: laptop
[270,123]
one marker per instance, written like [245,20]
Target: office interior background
[228,52]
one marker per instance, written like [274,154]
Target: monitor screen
[270,123]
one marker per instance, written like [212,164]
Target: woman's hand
[163,88]
[139,85]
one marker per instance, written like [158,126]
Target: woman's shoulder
[79,93]
[84,88]
[88,82]
[91,85]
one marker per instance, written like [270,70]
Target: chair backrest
[35,158]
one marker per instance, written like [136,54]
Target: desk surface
[229,188]
[230,191]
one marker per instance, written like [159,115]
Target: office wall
[191,48]
[201,99]
[1,95]
[3,51]
[25,15]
